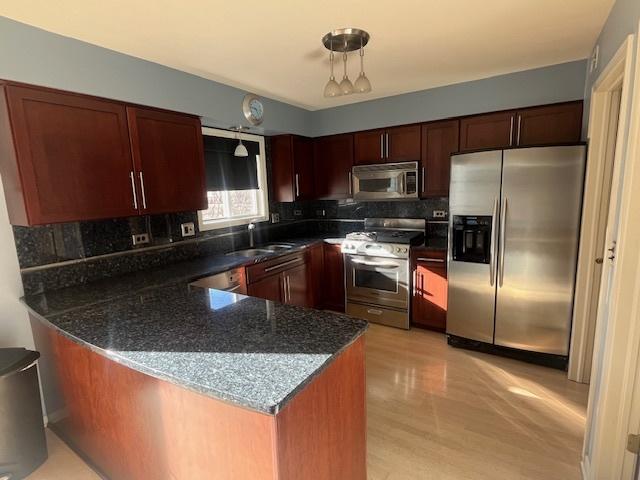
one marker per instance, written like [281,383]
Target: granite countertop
[248,351]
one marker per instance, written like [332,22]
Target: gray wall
[622,21]
[551,84]
[32,55]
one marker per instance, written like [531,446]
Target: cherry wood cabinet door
[282,168]
[402,144]
[333,281]
[168,153]
[429,299]
[315,273]
[333,160]
[303,181]
[493,130]
[296,284]
[439,141]
[369,147]
[268,288]
[549,125]
[71,161]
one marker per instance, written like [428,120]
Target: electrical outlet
[140,238]
[188,229]
[275,218]
[439,214]
[297,212]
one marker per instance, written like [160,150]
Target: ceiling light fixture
[346,40]
[241,150]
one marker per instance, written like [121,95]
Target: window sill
[228,222]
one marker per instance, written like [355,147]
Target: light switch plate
[439,214]
[140,238]
[297,212]
[188,229]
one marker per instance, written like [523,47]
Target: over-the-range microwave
[387,181]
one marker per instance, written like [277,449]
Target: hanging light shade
[346,40]
[332,89]
[362,83]
[241,150]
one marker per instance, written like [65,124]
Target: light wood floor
[435,412]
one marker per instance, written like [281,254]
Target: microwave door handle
[403,183]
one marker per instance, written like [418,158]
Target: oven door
[377,281]
[385,182]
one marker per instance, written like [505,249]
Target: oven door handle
[373,264]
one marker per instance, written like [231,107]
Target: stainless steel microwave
[387,181]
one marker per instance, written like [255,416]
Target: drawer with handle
[271,267]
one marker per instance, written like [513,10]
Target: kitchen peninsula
[175,381]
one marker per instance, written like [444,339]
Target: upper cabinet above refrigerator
[547,125]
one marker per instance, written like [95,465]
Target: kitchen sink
[251,252]
[264,250]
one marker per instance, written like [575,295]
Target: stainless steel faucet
[251,227]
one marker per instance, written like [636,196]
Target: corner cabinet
[332,162]
[68,157]
[292,167]
[429,299]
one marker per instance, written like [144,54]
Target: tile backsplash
[56,256]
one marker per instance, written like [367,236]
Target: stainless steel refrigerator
[513,243]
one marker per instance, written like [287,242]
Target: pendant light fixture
[332,89]
[241,150]
[346,40]
[362,83]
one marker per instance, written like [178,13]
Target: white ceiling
[273,47]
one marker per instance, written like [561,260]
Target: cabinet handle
[144,196]
[423,172]
[519,125]
[350,185]
[289,287]
[511,132]
[133,190]
[280,265]
[432,260]
[387,144]
[381,146]
[297,185]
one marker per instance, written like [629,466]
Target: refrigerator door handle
[503,228]
[492,246]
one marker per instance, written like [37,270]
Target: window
[236,186]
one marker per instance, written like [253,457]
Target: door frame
[618,366]
[599,160]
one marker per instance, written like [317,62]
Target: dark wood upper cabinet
[394,144]
[439,141]
[369,147]
[69,157]
[64,157]
[549,125]
[402,144]
[429,300]
[168,154]
[292,168]
[492,130]
[333,159]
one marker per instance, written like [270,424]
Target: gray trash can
[23,446]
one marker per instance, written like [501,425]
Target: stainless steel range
[377,273]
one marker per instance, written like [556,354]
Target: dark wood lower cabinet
[333,279]
[268,288]
[315,272]
[429,299]
[297,286]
